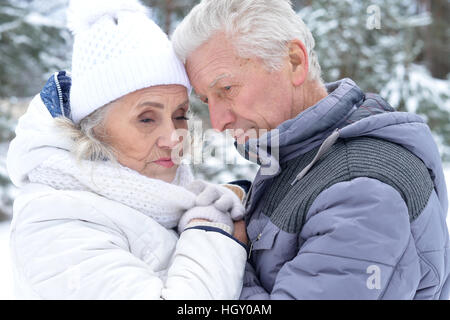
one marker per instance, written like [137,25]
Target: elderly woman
[105,211]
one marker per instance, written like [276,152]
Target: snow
[38,19]
[6,283]
[416,85]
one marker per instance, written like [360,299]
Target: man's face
[240,93]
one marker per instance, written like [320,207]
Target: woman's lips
[165,162]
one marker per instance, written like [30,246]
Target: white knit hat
[117,50]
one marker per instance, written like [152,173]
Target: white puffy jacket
[79,245]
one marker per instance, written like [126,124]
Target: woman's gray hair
[260,28]
[88,136]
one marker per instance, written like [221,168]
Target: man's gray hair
[260,28]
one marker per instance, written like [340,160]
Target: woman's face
[139,127]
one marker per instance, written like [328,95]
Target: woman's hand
[240,231]
[215,204]
[206,214]
[199,220]
[219,196]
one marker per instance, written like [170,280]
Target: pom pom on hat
[82,14]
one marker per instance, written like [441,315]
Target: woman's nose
[168,138]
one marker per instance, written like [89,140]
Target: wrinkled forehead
[164,97]
[214,60]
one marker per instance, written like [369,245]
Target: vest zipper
[251,245]
[58,88]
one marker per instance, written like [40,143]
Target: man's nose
[221,116]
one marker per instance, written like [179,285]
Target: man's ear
[298,58]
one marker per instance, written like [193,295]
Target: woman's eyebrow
[159,105]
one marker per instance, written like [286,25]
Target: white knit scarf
[162,201]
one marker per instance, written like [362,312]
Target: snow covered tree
[378,43]
[34,42]
[167,13]
[437,37]
[7,125]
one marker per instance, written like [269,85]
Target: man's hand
[240,232]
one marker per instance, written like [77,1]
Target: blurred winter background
[397,48]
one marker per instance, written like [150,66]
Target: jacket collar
[305,131]
[56,94]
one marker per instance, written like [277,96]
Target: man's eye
[227,88]
[146,120]
[182,118]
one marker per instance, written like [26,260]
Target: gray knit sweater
[347,159]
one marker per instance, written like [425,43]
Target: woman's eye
[184,118]
[227,88]
[146,120]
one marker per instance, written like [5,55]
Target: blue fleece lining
[51,98]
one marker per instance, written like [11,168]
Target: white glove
[210,213]
[218,196]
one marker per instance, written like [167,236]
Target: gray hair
[88,136]
[260,28]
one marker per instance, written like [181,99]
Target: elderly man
[355,207]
